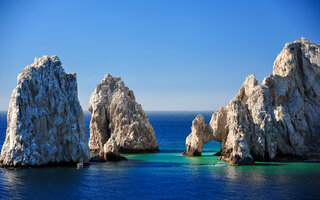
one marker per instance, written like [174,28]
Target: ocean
[164,175]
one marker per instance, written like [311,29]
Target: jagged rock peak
[279,118]
[45,120]
[293,55]
[116,114]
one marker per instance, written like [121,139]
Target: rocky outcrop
[279,118]
[118,123]
[45,120]
[110,151]
[198,137]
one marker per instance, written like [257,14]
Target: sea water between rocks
[164,175]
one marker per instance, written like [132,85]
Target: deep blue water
[164,175]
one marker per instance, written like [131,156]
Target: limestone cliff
[45,120]
[115,115]
[279,118]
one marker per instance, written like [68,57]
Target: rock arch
[280,117]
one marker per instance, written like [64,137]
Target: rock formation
[198,137]
[110,150]
[278,119]
[45,120]
[118,123]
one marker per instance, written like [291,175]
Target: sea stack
[279,119]
[118,123]
[45,120]
[198,137]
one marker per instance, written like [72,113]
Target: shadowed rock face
[116,116]
[45,120]
[277,119]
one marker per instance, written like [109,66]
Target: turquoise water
[164,175]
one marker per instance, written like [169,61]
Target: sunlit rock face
[279,118]
[198,137]
[45,120]
[116,116]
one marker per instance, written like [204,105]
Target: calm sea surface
[164,175]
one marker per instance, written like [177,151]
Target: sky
[174,55]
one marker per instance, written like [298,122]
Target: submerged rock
[118,123]
[45,120]
[277,119]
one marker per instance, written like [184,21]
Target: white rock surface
[116,116]
[279,118]
[45,120]
[198,137]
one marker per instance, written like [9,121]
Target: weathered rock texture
[278,119]
[198,137]
[118,123]
[45,120]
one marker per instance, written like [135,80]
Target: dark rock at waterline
[217,154]
[51,164]
[237,160]
[195,153]
[97,159]
[108,157]
[113,157]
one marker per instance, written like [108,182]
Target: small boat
[79,165]
[220,164]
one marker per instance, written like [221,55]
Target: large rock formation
[45,120]
[279,118]
[116,116]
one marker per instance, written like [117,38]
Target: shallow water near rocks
[164,175]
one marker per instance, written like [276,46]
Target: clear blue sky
[174,55]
